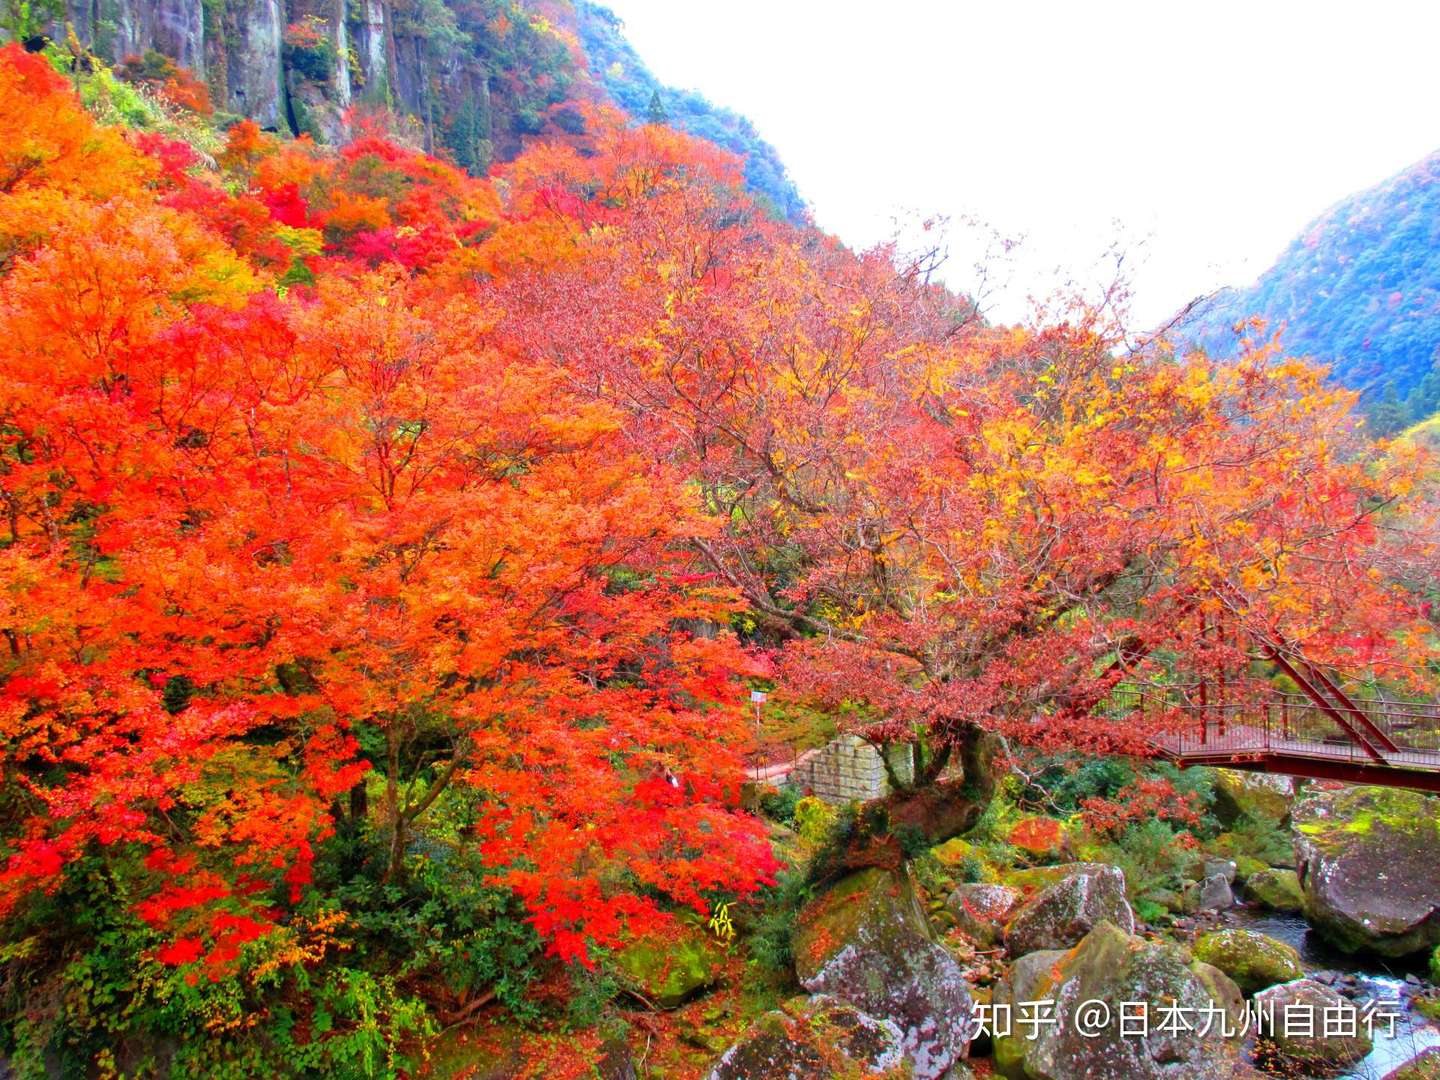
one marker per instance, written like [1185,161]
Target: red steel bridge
[1321,732]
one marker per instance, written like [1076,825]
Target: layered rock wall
[346,52]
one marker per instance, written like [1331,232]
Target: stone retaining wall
[850,769]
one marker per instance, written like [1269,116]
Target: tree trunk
[395,864]
[929,813]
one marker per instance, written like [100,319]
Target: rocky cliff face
[475,78]
[471,79]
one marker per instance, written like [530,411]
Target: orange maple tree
[250,527]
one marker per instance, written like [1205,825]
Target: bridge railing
[1413,726]
[1191,722]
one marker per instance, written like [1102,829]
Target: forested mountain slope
[1359,289]
[474,80]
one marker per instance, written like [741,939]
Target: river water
[1379,980]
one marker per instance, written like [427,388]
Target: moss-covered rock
[965,861]
[953,852]
[1252,960]
[1166,899]
[1286,1012]
[671,967]
[980,910]
[1435,966]
[1111,966]
[1368,868]
[814,1039]
[1247,866]
[1028,978]
[1260,796]
[1037,879]
[866,940]
[1211,894]
[1278,890]
[1232,845]
[1426,1066]
[1068,910]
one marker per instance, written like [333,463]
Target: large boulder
[1068,910]
[813,1039]
[1367,864]
[1112,966]
[1299,1025]
[1246,867]
[866,940]
[1252,960]
[1278,890]
[1259,796]
[1212,894]
[980,910]
[671,967]
[1036,879]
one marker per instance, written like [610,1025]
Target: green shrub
[814,819]
[448,925]
[326,993]
[1151,856]
[309,48]
[769,940]
[528,122]
[591,992]
[778,804]
[971,870]
[934,877]
[1149,911]
[1261,839]
[83,994]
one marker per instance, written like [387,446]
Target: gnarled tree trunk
[924,813]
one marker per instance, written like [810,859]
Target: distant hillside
[1358,289]
[628,81]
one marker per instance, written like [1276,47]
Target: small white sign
[758,696]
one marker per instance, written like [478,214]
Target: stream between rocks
[1377,979]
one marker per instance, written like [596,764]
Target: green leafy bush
[778,804]
[814,819]
[81,990]
[332,992]
[1150,854]
[1261,839]
[770,934]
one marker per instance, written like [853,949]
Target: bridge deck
[1245,746]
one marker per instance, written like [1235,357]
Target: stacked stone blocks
[851,769]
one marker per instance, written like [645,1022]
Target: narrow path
[775,774]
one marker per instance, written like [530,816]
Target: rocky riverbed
[909,970]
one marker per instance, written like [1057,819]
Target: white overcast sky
[1202,136]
